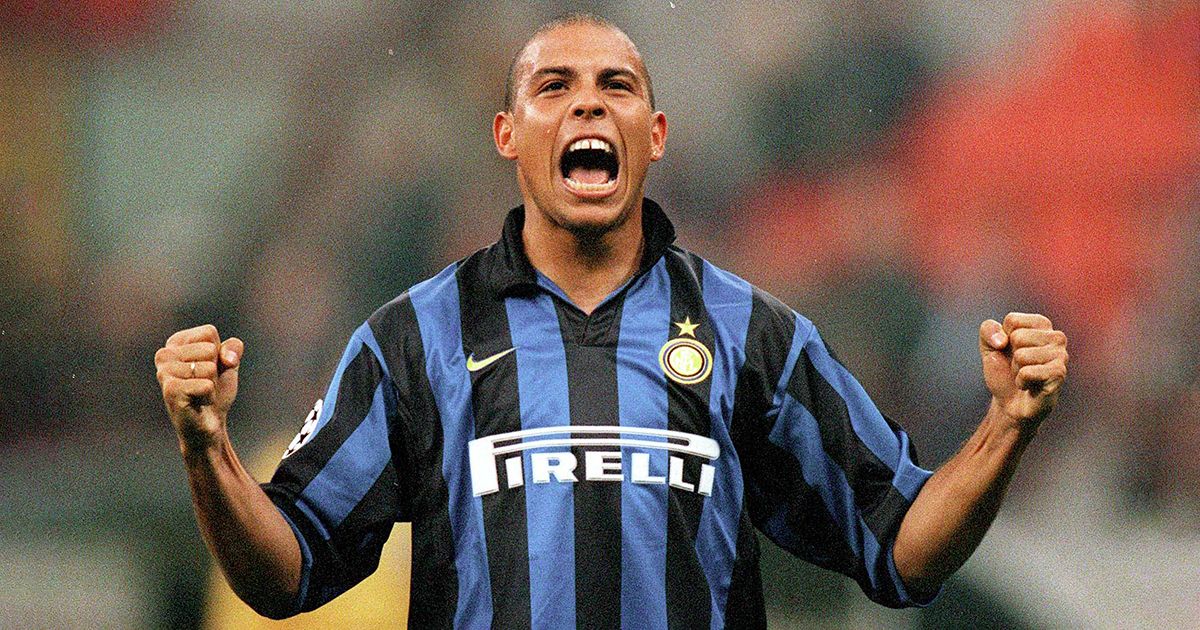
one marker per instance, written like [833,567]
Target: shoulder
[770,319]
[398,315]
[396,327]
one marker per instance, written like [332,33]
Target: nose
[589,112]
[589,106]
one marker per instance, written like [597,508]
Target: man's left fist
[1024,365]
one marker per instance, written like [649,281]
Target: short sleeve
[833,478]
[337,483]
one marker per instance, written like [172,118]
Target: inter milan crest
[684,359]
[306,431]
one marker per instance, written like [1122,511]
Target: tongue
[589,175]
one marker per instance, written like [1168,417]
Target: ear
[502,133]
[658,136]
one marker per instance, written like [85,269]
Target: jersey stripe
[728,300]
[772,325]
[858,490]
[351,471]
[542,380]
[688,596]
[642,402]
[872,480]
[354,352]
[590,342]
[437,307]
[494,397]
[357,378]
[420,488]
[802,439]
[868,423]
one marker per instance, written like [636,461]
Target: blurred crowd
[897,171]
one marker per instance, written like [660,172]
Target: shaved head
[519,65]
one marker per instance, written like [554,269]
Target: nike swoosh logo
[475,366]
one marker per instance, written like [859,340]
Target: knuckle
[1029,372]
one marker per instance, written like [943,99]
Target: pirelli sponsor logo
[603,458]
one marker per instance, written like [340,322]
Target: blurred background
[897,171]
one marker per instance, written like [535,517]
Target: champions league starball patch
[684,359]
[306,431]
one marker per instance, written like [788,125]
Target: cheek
[536,138]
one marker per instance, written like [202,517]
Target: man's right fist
[199,378]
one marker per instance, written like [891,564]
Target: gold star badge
[686,327]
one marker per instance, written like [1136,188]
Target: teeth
[590,143]
[591,187]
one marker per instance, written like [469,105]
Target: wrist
[202,446]
[1008,427]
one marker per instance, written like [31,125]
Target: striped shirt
[566,470]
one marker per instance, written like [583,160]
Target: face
[581,129]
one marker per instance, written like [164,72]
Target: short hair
[510,83]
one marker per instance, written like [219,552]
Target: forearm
[954,509]
[247,535]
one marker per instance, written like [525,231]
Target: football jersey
[603,470]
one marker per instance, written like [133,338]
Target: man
[583,422]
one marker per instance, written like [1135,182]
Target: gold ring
[193,369]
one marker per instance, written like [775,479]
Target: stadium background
[898,171]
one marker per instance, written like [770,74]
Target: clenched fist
[199,377]
[1024,365]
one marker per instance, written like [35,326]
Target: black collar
[511,272]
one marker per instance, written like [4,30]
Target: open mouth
[590,165]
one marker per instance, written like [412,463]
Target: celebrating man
[584,422]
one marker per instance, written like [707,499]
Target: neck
[586,265]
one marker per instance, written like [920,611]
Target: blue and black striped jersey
[594,471]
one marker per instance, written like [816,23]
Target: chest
[627,365]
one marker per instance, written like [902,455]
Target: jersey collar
[512,273]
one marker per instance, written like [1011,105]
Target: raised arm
[251,541]
[1024,366]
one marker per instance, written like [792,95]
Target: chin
[593,220]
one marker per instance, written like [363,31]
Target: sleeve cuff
[907,598]
[305,567]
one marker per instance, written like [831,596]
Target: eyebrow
[619,72]
[568,72]
[552,70]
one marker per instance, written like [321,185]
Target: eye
[553,85]
[620,85]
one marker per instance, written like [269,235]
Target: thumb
[231,353]
[992,337]
[227,380]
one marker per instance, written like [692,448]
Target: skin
[581,80]
[589,246]
[1024,367]
[243,530]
